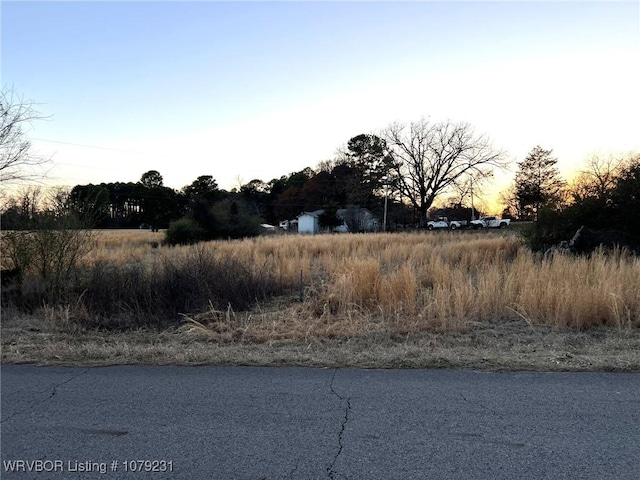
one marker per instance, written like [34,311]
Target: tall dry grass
[118,247]
[416,281]
[354,284]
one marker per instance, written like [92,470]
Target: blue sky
[244,90]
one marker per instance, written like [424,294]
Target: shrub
[138,294]
[222,220]
[184,232]
[51,252]
[549,229]
[233,221]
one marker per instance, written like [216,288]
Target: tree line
[603,197]
[407,166]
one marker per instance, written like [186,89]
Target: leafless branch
[18,162]
[432,159]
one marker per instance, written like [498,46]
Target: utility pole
[384,221]
[473,214]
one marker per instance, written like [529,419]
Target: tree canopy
[538,182]
[430,159]
[152,179]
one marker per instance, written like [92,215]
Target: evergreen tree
[204,188]
[329,218]
[370,166]
[152,179]
[538,182]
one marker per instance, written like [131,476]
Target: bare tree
[47,239]
[18,162]
[431,159]
[599,177]
[469,191]
[509,200]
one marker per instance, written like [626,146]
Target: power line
[97,147]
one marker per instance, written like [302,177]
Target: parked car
[490,222]
[443,222]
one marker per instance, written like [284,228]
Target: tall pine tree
[538,182]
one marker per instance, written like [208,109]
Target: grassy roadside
[475,300]
[503,346]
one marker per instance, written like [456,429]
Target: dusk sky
[244,90]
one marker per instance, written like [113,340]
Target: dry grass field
[443,299]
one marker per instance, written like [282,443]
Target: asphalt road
[279,423]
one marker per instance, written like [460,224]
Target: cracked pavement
[331,472]
[297,423]
[32,400]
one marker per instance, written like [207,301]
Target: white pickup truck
[443,222]
[490,222]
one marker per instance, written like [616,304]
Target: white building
[308,222]
[355,219]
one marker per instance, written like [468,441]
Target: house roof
[342,212]
[315,213]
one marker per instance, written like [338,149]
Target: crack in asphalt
[54,390]
[331,473]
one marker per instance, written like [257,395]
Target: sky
[255,90]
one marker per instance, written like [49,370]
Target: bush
[184,232]
[550,229]
[210,222]
[233,221]
[155,295]
[51,252]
